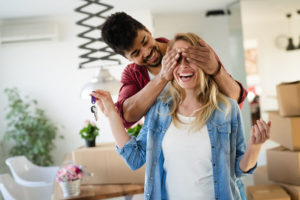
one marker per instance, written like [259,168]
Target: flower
[89,131]
[69,173]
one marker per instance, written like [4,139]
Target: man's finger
[200,64]
[195,57]
[202,43]
[196,49]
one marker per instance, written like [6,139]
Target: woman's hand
[260,133]
[104,101]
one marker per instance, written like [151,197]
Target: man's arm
[134,103]
[227,84]
[136,106]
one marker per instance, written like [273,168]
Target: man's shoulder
[133,67]
[162,39]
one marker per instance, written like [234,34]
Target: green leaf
[32,132]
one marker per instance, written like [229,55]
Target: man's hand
[202,56]
[169,62]
[104,101]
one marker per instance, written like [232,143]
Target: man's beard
[159,55]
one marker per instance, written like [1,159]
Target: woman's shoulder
[160,106]
[233,109]
[158,112]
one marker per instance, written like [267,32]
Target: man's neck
[163,48]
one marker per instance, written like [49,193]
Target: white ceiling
[254,10]
[30,8]
[251,9]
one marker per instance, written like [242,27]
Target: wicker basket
[70,189]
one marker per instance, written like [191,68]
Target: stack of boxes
[107,166]
[283,162]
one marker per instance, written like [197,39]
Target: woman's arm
[133,150]
[260,132]
[105,103]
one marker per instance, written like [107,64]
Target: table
[103,191]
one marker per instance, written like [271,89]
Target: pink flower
[69,173]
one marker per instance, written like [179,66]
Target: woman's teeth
[186,75]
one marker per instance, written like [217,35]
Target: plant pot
[70,189]
[90,143]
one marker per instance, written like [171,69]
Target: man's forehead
[139,39]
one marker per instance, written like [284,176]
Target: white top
[151,76]
[188,162]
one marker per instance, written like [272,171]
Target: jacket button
[212,146]
[214,164]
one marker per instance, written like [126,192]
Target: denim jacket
[228,145]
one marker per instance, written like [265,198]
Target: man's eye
[145,43]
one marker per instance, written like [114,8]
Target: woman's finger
[261,129]
[257,134]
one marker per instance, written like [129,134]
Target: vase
[90,143]
[70,189]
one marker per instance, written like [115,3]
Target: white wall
[48,72]
[274,65]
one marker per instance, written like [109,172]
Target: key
[94,111]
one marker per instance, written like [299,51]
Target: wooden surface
[95,192]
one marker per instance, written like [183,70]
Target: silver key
[95,112]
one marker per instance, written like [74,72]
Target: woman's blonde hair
[207,92]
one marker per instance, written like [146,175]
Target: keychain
[93,108]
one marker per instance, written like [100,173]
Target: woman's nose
[183,62]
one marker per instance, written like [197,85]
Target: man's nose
[146,52]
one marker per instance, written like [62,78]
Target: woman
[192,140]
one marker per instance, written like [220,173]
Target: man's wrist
[218,70]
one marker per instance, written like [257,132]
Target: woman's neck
[189,104]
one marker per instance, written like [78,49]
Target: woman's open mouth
[185,77]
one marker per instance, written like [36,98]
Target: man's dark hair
[119,31]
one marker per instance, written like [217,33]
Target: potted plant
[69,178]
[32,132]
[89,132]
[135,130]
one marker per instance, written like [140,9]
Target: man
[153,64]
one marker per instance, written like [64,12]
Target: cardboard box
[260,176]
[267,192]
[292,190]
[284,165]
[107,165]
[288,95]
[285,130]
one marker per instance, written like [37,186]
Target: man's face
[145,50]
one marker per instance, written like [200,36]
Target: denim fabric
[228,145]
